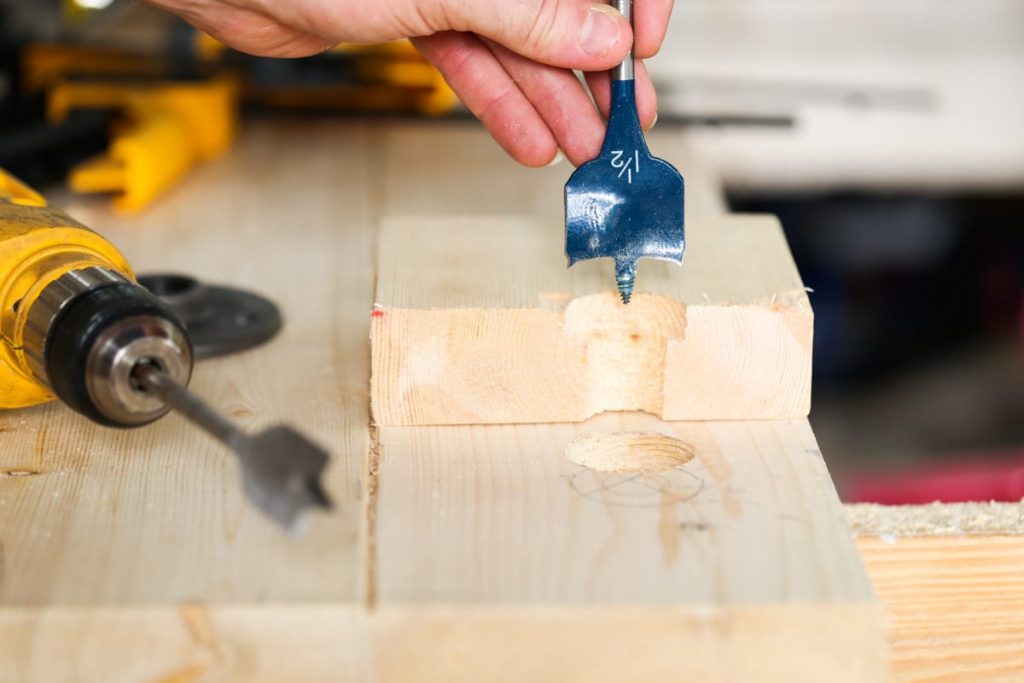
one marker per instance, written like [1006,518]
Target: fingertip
[646,97]
[604,38]
[560,100]
[569,35]
[521,132]
[579,156]
[559,158]
[536,152]
[651,20]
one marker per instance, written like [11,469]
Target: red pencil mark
[378,313]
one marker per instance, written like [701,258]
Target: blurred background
[888,135]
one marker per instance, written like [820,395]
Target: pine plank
[717,540]
[186,643]
[496,556]
[134,571]
[466,332]
[950,579]
[478,321]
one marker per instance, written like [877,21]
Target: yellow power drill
[75,324]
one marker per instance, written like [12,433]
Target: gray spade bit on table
[625,204]
[281,468]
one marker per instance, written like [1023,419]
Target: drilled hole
[629,452]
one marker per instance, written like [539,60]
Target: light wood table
[131,556]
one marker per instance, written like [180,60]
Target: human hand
[510,62]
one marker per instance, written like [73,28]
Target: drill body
[73,322]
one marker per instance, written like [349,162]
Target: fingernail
[559,158]
[601,30]
[654,122]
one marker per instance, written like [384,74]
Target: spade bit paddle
[625,204]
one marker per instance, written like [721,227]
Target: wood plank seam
[369,509]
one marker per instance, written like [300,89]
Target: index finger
[650,21]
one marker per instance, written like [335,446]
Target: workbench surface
[113,537]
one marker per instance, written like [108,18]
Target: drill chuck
[87,334]
[74,323]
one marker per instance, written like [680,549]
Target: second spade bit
[625,204]
[77,326]
[280,468]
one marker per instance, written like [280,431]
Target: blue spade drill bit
[625,204]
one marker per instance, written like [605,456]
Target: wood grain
[952,581]
[466,333]
[955,605]
[186,643]
[458,553]
[745,537]
[615,644]
[157,515]
[478,321]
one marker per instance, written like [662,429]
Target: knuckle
[536,32]
[455,61]
[495,102]
[558,98]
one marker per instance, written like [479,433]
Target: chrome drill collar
[48,305]
[114,357]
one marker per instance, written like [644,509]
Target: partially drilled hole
[629,452]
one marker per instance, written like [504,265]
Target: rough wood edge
[937,519]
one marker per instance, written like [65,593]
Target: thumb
[574,34]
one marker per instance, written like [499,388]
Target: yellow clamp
[168,128]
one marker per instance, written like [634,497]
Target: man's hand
[510,61]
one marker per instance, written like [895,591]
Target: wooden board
[131,556]
[477,321]
[717,549]
[950,577]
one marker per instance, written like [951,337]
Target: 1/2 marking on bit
[624,166]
